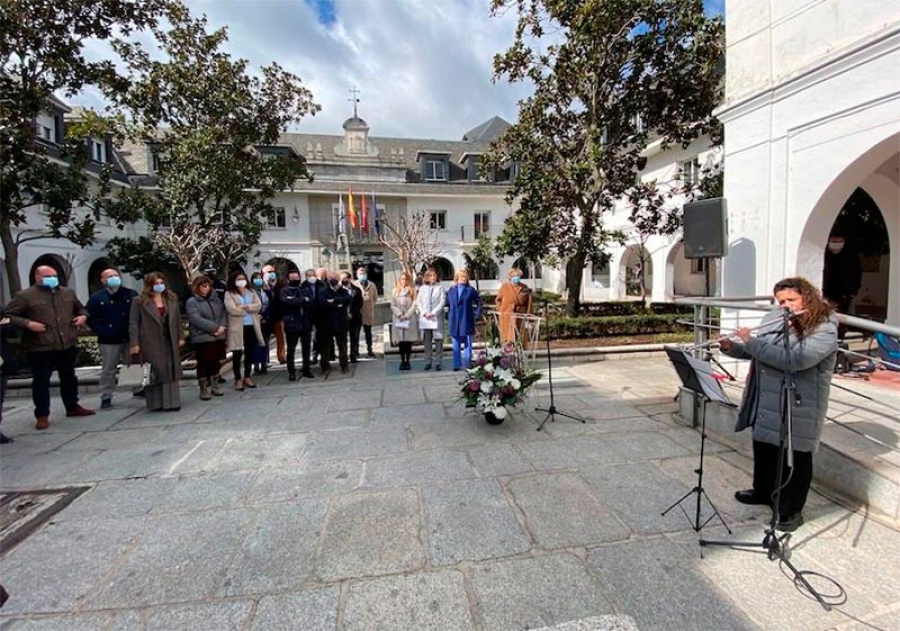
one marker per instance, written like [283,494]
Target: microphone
[790,313]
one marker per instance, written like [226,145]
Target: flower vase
[492,419]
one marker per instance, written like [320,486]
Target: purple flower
[482,359]
[505,361]
[474,386]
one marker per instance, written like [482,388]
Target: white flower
[500,412]
[503,375]
[516,384]
[486,386]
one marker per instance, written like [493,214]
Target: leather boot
[42,422]
[204,389]
[215,389]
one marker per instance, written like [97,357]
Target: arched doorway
[877,173]
[56,262]
[283,265]
[636,269]
[857,261]
[444,268]
[687,277]
[529,270]
[373,262]
[94,271]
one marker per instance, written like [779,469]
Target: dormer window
[434,170]
[154,162]
[44,132]
[45,127]
[98,150]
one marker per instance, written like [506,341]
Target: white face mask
[834,248]
[240,284]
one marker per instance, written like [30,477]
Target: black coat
[332,303]
[297,306]
[109,313]
[354,308]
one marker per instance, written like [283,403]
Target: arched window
[51,260]
[97,268]
[444,267]
[283,265]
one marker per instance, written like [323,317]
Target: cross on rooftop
[354,92]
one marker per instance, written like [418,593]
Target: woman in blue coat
[465,309]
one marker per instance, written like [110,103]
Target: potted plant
[496,380]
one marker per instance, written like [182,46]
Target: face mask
[258,282]
[51,282]
[310,279]
[159,288]
[834,248]
[294,283]
[272,276]
[113,282]
[333,281]
[516,280]
[240,284]
[345,282]
[363,278]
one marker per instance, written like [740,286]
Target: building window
[98,151]
[690,172]
[482,224]
[434,170]
[698,266]
[438,220]
[154,162]
[44,132]
[278,218]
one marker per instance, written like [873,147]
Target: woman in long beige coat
[514,297]
[405,328]
[244,330]
[157,335]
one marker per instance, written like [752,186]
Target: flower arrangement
[496,379]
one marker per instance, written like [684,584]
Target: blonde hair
[459,273]
[515,271]
[398,287]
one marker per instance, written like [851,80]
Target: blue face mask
[363,278]
[516,280]
[257,282]
[51,282]
[113,282]
[271,276]
[159,287]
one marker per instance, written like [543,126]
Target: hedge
[611,326]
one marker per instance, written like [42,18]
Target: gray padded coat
[812,360]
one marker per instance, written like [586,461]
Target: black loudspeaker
[706,229]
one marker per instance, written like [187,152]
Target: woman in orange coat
[514,297]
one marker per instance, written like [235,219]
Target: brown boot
[239,385]
[204,389]
[43,422]
[215,388]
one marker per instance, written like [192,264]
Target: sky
[422,67]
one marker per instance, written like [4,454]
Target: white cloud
[423,68]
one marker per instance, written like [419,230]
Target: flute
[710,343]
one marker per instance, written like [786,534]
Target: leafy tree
[481,261]
[208,122]
[608,77]
[44,192]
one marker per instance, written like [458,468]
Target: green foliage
[87,352]
[42,52]
[578,139]
[618,325]
[139,256]
[208,118]
[481,261]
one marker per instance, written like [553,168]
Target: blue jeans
[466,359]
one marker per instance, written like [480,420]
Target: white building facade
[811,115]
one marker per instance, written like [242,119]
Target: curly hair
[816,308]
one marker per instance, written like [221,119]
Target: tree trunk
[10,258]
[574,275]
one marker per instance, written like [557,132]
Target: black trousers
[405,351]
[368,330]
[292,337]
[327,341]
[43,363]
[245,356]
[765,468]
[355,326]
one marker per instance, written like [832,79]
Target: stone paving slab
[590,451]
[427,601]
[314,610]
[471,520]
[178,559]
[308,479]
[272,450]
[407,415]
[216,616]
[537,592]
[498,460]
[220,489]
[417,469]
[561,512]
[119,499]
[278,555]
[356,443]
[368,534]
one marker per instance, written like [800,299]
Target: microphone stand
[551,411]
[775,546]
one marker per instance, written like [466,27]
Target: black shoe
[428,366]
[5,440]
[790,523]
[140,393]
[292,376]
[105,404]
[370,354]
[307,374]
[221,379]
[354,360]
[749,496]
[437,367]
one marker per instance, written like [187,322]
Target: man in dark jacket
[108,313]
[297,304]
[354,311]
[316,286]
[332,304]
[50,316]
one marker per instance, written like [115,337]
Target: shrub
[87,352]
[619,325]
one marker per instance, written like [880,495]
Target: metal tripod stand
[551,411]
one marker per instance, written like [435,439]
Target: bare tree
[191,243]
[412,239]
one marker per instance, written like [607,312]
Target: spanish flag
[365,215]
[354,221]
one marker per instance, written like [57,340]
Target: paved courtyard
[375,501]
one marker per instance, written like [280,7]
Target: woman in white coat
[430,304]
[405,328]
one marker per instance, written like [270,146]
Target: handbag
[132,375]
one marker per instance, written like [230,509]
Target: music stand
[696,375]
